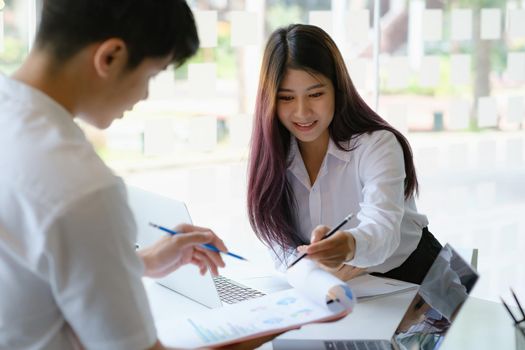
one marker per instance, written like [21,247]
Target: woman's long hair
[271,203]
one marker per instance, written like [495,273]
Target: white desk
[480,325]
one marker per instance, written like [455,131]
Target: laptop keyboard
[231,292]
[357,345]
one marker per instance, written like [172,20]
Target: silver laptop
[428,317]
[207,290]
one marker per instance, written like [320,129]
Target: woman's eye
[317,94]
[286,98]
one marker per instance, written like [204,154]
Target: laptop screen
[437,302]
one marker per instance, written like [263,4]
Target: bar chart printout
[230,330]
[327,299]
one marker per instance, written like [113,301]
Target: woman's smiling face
[305,104]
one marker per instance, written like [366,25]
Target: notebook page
[319,285]
[255,317]
[284,310]
[367,287]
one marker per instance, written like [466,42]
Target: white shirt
[68,267]
[368,182]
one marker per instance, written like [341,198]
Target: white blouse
[368,182]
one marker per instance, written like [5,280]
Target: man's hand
[171,252]
[330,252]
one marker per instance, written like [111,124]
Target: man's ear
[110,58]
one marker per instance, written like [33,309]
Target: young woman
[318,153]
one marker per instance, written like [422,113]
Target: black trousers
[418,263]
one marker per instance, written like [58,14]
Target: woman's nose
[303,108]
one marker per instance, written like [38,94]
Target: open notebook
[368,287]
[317,296]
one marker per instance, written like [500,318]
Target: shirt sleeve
[95,274]
[382,174]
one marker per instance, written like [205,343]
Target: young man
[69,272]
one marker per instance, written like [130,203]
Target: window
[16,32]
[450,75]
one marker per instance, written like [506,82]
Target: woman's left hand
[330,252]
[345,272]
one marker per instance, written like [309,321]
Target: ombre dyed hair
[271,202]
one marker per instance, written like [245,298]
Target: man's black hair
[150,28]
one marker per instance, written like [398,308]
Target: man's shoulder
[68,171]
[52,161]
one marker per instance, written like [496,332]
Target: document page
[283,310]
[318,296]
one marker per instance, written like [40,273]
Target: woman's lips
[305,126]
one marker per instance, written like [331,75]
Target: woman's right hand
[331,252]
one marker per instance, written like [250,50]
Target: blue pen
[206,245]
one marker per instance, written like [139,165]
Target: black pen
[519,305]
[508,310]
[332,231]
[516,322]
